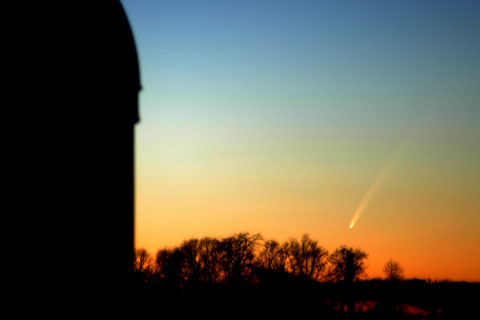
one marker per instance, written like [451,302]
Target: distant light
[375,185]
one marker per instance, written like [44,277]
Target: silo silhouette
[72,153]
[84,139]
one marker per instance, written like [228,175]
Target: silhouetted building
[74,146]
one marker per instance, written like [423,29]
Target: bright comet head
[351,225]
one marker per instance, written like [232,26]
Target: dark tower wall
[77,106]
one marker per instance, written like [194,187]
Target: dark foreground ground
[283,297]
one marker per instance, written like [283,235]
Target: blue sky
[386,61]
[254,110]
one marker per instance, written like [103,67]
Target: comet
[374,186]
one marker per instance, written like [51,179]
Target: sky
[292,117]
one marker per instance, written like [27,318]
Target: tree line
[245,274]
[244,258]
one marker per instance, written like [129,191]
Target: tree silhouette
[273,256]
[236,273]
[393,270]
[142,267]
[142,261]
[189,261]
[347,265]
[209,259]
[169,266]
[237,256]
[306,258]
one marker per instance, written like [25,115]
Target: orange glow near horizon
[441,248]
[265,121]
[417,217]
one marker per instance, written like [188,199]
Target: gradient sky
[277,117]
